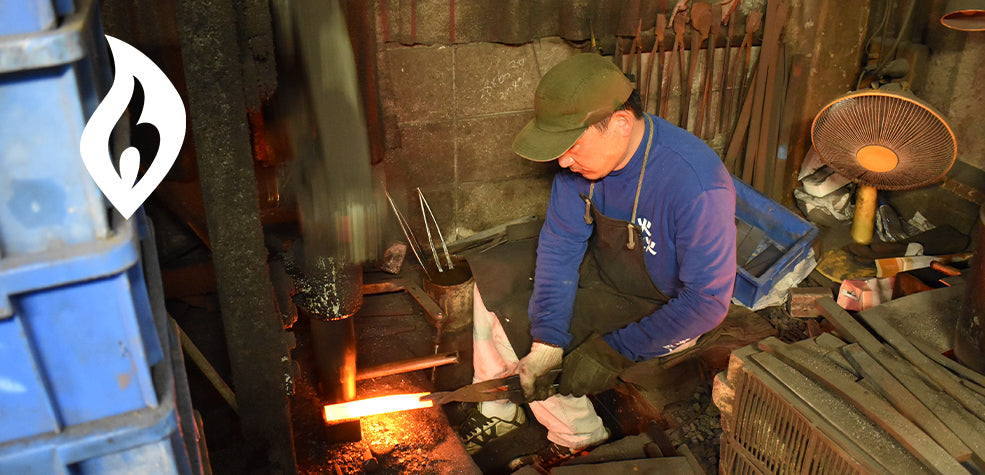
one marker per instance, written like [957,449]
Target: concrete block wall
[451,113]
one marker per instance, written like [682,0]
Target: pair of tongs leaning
[415,245]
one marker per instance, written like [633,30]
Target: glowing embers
[376,405]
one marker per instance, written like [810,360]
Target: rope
[631,244]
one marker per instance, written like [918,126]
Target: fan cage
[920,137]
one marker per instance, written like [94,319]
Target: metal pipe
[334,345]
[406,366]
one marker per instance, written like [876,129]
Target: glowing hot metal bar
[376,405]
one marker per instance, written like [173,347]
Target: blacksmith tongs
[493,390]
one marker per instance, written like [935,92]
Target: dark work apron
[614,287]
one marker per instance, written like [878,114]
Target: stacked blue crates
[91,380]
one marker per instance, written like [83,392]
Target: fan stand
[863,223]
[876,158]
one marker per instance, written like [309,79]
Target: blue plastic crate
[789,233]
[77,336]
[149,440]
[54,70]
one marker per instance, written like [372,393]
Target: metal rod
[427,229]
[406,366]
[444,246]
[203,364]
[408,233]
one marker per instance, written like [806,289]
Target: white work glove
[541,359]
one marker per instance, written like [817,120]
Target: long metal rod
[406,366]
[408,233]
[444,245]
[427,229]
[207,369]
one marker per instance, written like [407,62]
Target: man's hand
[541,359]
[591,368]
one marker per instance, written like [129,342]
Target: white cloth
[570,421]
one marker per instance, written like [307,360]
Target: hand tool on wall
[737,134]
[709,75]
[493,390]
[753,23]
[637,65]
[723,75]
[701,22]
[679,19]
[765,90]
[656,55]
[736,93]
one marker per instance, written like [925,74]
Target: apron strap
[588,204]
[631,243]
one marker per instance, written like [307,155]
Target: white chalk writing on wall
[504,84]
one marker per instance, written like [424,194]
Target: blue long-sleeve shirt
[687,214]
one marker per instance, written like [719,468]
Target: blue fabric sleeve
[562,245]
[705,247]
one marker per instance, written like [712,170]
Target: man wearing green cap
[636,258]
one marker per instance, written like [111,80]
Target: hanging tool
[444,246]
[735,94]
[737,135]
[493,390]
[723,75]
[679,19]
[636,63]
[709,76]
[753,23]
[701,22]
[656,55]
[765,89]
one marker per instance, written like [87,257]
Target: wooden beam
[968,428]
[947,381]
[958,368]
[908,404]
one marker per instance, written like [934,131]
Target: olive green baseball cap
[578,92]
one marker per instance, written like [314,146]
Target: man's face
[595,154]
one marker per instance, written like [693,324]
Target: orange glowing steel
[376,405]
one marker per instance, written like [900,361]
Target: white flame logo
[162,108]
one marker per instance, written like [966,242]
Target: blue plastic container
[77,336]
[148,440]
[790,233]
[51,80]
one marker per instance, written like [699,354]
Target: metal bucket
[452,291]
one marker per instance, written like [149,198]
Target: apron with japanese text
[614,287]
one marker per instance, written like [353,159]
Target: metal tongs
[415,245]
[493,390]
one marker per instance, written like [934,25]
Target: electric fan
[882,139]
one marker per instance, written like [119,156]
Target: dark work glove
[591,368]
